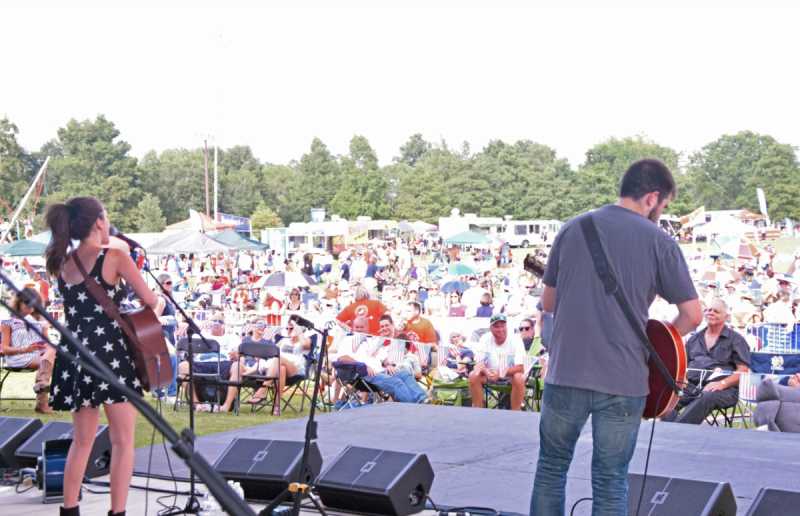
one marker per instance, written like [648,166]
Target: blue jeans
[402,386]
[615,427]
[173,387]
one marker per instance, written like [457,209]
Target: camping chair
[301,382]
[250,383]
[352,375]
[499,396]
[454,394]
[5,370]
[199,347]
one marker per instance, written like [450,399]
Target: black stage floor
[487,458]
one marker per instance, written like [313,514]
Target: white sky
[565,74]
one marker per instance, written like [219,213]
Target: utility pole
[216,181]
[208,209]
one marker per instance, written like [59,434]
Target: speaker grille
[772,502]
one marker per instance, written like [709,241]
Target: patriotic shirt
[513,346]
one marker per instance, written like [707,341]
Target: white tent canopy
[189,241]
[422,227]
[723,226]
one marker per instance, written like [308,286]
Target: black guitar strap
[612,287]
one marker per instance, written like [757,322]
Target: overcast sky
[273,75]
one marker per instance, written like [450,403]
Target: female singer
[85,219]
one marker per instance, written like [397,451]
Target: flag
[271,331]
[762,201]
[297,330]
[503,362]
[443,354]
[396,351]
[422,351]
[748,385]
[528,362]
[247,328]
[338,336]
[480,361]
[454,351]
[698,216]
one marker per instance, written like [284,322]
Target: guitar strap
[612,287]
[100,295]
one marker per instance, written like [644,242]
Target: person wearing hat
[493,343]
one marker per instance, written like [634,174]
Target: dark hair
[647,176]
[417,306]
[403,336]
[385,317]
[67,221]
[486,299]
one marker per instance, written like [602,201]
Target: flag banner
[442,354]
[422,351]
[528,362]
[480,361]
[695,218]
[396,351]
[338,336]
[762,201]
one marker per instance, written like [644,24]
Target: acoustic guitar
[668,345]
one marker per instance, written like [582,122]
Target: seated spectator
[456,308]
[295,305]
[780,311]
[206,363]
[435,304]
[292,362]
[527,332]
[714,347]
[486,308]
[410,361]
[24,348]
[454,369]
[494,343]
[365,307]
[389,378]
[271,306]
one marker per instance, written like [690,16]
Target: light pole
[393,194]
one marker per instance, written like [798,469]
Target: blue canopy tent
[25,247]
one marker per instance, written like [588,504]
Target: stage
[487,458]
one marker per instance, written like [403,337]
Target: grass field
[21,385]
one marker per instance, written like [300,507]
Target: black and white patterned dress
[72,388]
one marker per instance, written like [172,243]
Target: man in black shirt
[715,347]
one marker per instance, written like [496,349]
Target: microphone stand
[298,490]
[192,504]
[182,445]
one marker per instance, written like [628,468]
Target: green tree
[16,167]
[177,178]
[150,219]
[778,173]
[96,163]
[413,150]
[241,181]
[599,177]
[723,169]
[363,190]
[280,191]
[318,181]
[263,217]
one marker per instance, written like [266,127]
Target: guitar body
[668,344]
[151,360]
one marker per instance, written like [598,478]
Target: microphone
[300,321]
[115,233]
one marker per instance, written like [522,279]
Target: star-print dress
[72,388]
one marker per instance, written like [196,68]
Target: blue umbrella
[450,286]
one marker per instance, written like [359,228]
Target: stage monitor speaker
[264,468]
[770,502]
[13,432]
[664,496]
[99,460]
[381,482]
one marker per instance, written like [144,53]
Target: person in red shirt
[416,327]
[365,307]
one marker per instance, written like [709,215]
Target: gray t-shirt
[593,346]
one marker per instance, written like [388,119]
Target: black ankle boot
[115,513]
[72,511]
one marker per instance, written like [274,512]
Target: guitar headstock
[535,265]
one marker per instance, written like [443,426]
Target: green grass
[21,385]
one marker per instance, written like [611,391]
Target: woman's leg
[121,428]
[85,423]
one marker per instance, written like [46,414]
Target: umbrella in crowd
[468,237]
[285,279]
[738,248]
[721,274]
[457,269]
[450,286]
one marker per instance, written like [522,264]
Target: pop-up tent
[468,238]
[231,237]
[189,241]
[208,223]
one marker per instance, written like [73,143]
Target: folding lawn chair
[352,375]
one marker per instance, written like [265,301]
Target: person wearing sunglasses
[294,305]
[527,332]
[499,340]
[435,304]
[165,309]
[456,308]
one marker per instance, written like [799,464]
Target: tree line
[426,180]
